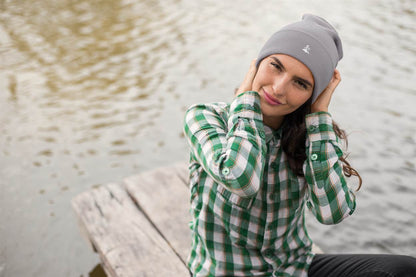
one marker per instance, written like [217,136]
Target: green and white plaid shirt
[247,206]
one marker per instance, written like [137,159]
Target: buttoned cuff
[319,127]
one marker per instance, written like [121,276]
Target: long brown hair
[294,138]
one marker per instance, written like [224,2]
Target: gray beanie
[312,41]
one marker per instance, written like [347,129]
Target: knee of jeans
[404,266]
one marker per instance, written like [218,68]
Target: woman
[257,162]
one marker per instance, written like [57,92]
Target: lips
[269,99]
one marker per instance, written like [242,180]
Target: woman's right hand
[321,104]
[246,85]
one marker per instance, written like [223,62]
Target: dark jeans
[362,265]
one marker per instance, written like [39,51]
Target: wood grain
[126,241]
[164,198]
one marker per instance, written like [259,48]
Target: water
[93,91]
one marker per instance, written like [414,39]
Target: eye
[301,84]
[277,66]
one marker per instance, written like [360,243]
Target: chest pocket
[235,214]
[234,199]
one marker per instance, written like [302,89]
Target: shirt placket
[269,182]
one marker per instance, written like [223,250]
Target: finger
[248,79]
[253,67]
[335,80]
[246,85]
[324,99]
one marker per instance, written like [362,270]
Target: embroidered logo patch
[307,49]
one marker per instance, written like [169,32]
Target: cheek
[261,79]
[299,98]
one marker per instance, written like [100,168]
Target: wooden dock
[139,227]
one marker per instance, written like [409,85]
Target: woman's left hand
[247,84]
[321,104]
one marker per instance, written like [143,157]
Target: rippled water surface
[93,91]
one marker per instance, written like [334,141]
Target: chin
[271,111]
[272,114]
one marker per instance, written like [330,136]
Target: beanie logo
[307,49]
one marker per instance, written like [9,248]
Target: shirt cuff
[319,127]
[246,105]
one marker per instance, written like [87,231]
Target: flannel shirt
[247,206]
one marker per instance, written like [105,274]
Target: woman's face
[284,84]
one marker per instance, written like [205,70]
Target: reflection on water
[93,91]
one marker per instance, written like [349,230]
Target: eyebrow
[297,77]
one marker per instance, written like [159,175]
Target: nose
[280,85]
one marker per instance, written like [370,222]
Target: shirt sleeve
[330,199]
[231,150]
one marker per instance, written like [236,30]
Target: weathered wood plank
[164,197]
[126,241]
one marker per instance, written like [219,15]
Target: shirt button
[226,171]
[314,157]
[262,135]
[312,128]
